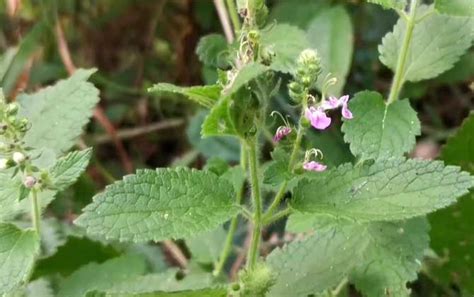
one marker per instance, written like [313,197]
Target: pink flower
[333,103]
[318,118]
[314,166]
[281,132]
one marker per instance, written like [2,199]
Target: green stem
[35,211]
[399,78]
[257,201]
[276,217]
[234,17]
[294,154]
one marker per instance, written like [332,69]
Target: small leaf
[101,276]
[18,250]
[68,168]
[24,192]
[385,191]
[378,130]
[277,171]
[287,42]
[437,43]
[459,150]
[395,4]
[455,7]
[57,114]
[206,96]
[218,122]
[244,76]
[331,33]
[160,204]
[212,50]
[206,248]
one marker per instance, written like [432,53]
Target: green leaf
[284,11]
[455,7]
[207,247]
[212,50]
[227,148]
[277,171]
[459,150]
[391,253]
[244,76]
[218,122]
[236,176]
[314,264]
[160,204]
[101,276]
[331,33]
[385,191]
[206,96]
[437,43]
[6,60]
[395,4]
[57,114]
[287,42]
[39,288]
[378,130]
[18,250]
[196,293]
[451,232]
[68,168]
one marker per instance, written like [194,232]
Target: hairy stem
[399,78]
[35,211]
[234,16]
[257,202]
[277,216]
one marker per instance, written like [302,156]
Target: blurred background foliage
[135,43]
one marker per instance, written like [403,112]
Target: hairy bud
[29,182]
[18,157]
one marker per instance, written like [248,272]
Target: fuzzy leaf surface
[331,33]
[378,130]
[455,7]
[437,43]
[384,191]
[58,113]
[160,204]
[68,168]
[212,50]
[18,250]
[206,96]
[391,252]
[395,4]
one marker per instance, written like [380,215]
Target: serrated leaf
[287,42]
[68,168]
[160,204]
[378,130]
[437,43]
[101,276]
[331,33]
[317,263]
[391,252]
[455,7]
[451,232]
[207,247]
[227,148]
[395,4]
[58,113]
[212,50]
[385,191]
[206,96]
[18,250]
[244,76]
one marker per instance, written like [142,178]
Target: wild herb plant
[361,223]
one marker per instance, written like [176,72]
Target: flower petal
[346,113]
[320,120]
[314,166]
[331,103]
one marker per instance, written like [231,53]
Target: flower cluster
[317,115]
[306,75]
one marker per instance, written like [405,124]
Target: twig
[176,253]
[224,18]
[138,131]
[99,113]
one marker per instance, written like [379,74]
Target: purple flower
[331,103]
[281,132]
[314,166]
[318,118]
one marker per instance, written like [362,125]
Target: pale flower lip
[318,118]
[333,103]
[314,166]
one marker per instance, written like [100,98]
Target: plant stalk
[253,252]
[399,78]
[35,212]
[234,16]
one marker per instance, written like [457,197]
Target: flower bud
[18,157]
[29,182]
[12,109]
[4,164]
[308,57]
